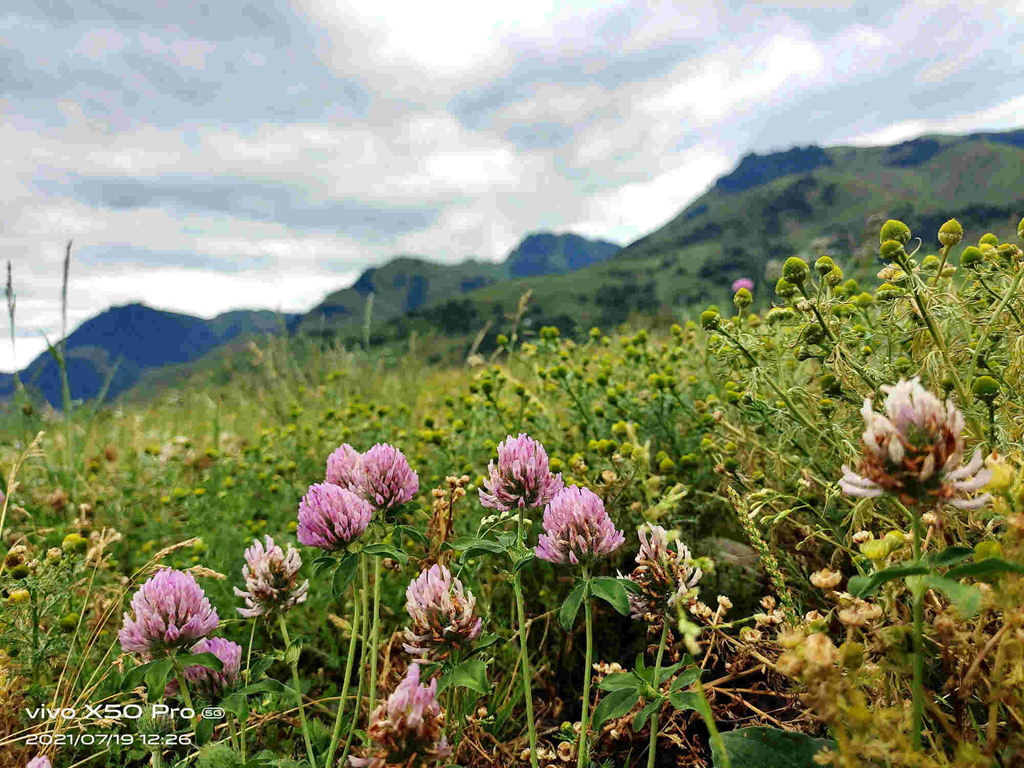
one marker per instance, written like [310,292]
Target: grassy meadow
[824,586]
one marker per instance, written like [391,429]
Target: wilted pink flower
[343,467]
[42,761]
[664,575]
[331,516]
[442,612]
[171,610]
[522,477]
[271,579]
[386,479]
[577,528]
[916,450]
[743,282]
[210,682]
[407,729]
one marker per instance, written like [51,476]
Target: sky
[206,156]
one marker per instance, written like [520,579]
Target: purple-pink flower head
[915,450]
[271,579]
[171,611]
[408,729]
[522,477]
[665,574]
[443,614]
[42,761]
[343,467]
[331,516]
[386,479]
[743,282]
[577,528]
[209,682]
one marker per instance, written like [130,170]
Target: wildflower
[577,528]
[343,467]
[271,576]
[171,610]
[331,516]
[210,682]
[664,575]
[40,761]
[385,477]
[522,477]
[442,612]
[916,449]
[407,729]
[743,282]
[826,579]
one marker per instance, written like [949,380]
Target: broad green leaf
[471,674]
[948,556]
[770,748]
[156,677]
[620,681]
[612,592]
[571,606]
[386,550]
[685,700]
[134,676]
[322,563]
[615,704]
[863,586]
[965,597]
[412,533]
[208,660]
[344,574]
[645,714]
[522,562]
[987,567]
[686,678]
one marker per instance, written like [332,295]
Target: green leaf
[522,562]
[218,756]
[268,685]
[412,533]
[686,679]
[344,574]
[965,597]
[474,547]
[987,567]
[631,586]
[571,606]
[863,586]
[615,704]
[322,563]
[758,747]
[620,681]
[471,674]
[612,592]
[645,714]
[134,676]
[208,660]
[685,700]
[386,550]
[948,556]
[156,677]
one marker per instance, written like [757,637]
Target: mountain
[131,339]
[406,284]
[801,201]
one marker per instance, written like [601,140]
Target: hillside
[130,340]
[406,284]
[799,201]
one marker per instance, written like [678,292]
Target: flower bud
[1020,229]
[824,265]
[887,292]
[951,233]
[986,389]
[890,250]
[988,239]
[784,288]
[971,257]
[864,300]
[742,299]
[894,230]
[709,319]
[795,271]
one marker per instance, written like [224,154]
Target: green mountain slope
[407,283]
[802,201]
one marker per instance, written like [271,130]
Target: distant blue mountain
[131,339]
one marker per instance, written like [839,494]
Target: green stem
[917,712]
[336,734]
[375,632]
[657,687]
[715,737]
[298,691]
[524,655]
[364,584]
[179,674]
[583,758]
[991,321]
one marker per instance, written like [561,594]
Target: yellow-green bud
[851,654]
[951,233]
[864,300]
[709,319]
[988,239]
[68,622]
[812,334]
[19,596]
[784,288]
[971,257]
[887,292]
[930,263]
[74,542]
[894,230]
[985,388]
[1020,229]
[874,549]
[824,265]
[890,250]
[742,299]
[986,550]
[795,270]
[20,571]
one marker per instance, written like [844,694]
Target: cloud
[233,154]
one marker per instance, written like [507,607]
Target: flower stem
[362,661]
[718,745]
[917,712]
[374,632]
[336,734]
[524,655]
[657,687]
[179,674]
[298,691]
[583,759]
